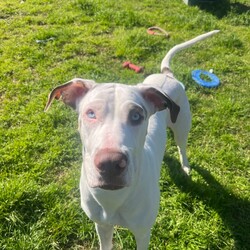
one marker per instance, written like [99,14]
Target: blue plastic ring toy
[196,75]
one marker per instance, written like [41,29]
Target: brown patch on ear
[161,101]
[70,92]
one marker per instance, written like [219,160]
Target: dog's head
[113,122]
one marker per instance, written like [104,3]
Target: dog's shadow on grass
[222,7]
[234,211]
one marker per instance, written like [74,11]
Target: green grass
[40,153]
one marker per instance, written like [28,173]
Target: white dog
[123,130]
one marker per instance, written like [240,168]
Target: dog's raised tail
[165,64]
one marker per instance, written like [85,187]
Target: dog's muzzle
[112,166]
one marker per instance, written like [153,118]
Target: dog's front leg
[105,235]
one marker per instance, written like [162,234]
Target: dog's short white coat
[135,205]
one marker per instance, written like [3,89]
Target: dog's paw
[187,170]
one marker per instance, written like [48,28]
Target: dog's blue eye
[91,114]
[135,117]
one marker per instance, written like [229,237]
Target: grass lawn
[46,43]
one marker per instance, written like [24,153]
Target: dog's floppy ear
[161,101]
[70,92]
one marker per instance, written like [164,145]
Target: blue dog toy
[196,75]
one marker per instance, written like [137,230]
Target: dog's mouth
[110,187]
[104,184]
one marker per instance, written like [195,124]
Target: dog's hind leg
[181,129]
[183,123]
[105,235]
[142,238]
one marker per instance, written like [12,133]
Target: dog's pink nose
[110,162]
